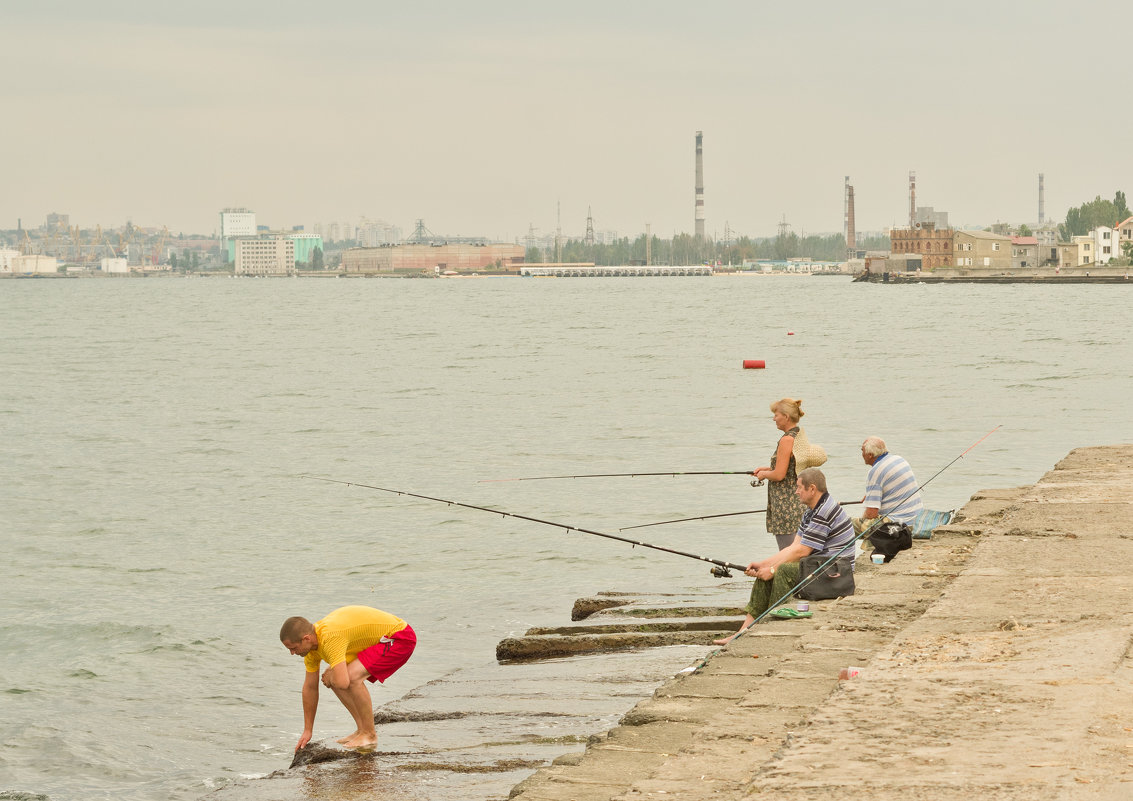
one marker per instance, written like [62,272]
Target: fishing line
[709,517]
[623,475]
[720,571]
[865,531]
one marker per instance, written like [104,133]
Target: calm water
[157,529]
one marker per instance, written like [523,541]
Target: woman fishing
[784,510]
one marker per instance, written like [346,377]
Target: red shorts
[384,657]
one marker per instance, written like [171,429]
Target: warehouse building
[433,258]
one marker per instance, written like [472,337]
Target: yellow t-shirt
[346,631]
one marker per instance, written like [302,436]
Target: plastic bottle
[849,672]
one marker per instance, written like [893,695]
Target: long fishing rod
[865,532]
[709,517]
[623,475]
[841,503]
[720,571]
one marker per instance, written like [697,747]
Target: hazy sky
[480,116]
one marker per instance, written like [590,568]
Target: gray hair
[873,446]
[813,477]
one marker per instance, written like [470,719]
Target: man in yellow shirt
[358,643]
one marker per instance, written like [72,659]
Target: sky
[493,117]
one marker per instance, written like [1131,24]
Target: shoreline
[996,660]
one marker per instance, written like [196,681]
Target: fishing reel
[757,482]
[719,571]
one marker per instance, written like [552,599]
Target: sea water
[157,438]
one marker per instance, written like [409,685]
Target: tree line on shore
[688,249]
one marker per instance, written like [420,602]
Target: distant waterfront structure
[303,245]
[6,256]
[430,258]
[58,221]
[115,264]
[848,223]
[982,249]
[264,255]
[932,245]
[34,263]
[698,217]
[237,222]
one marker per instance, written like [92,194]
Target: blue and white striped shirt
[826,528]
[891,488]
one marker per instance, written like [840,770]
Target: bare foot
[724,641]
[361,740]
[350,736]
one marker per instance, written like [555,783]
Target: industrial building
[304,244]
[34,263]
[933,245]
[432,258]
[267,255]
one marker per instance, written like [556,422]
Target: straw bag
[806,453]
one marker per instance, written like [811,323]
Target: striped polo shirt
[826,528]
[891,488]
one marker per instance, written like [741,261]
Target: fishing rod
[720,570]
[624,475]
[841,503]
[865,532]
[709,517]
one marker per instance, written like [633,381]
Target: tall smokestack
[851,233]
[912,199]
[1042,201]
[699,217]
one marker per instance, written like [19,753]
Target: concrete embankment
[996,663]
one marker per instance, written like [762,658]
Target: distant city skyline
[485,119]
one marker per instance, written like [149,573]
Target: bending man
[825,529]
[891,488]
[359,644]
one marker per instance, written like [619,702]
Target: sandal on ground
[787,613]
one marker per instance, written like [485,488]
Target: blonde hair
[789,407]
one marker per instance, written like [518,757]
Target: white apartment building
[1105,244]
[237,222]
[116,265]
[269,255]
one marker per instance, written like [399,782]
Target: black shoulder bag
[835,580]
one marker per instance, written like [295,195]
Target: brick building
[933,245]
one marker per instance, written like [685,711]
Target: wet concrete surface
[479,731]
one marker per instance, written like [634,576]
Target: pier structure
[613,271]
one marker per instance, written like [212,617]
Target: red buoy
[754,364]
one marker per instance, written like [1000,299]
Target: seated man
[825,529]
[892,492]
[357,642]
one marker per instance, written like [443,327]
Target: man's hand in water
[304,739]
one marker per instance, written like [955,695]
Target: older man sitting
[892,492]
